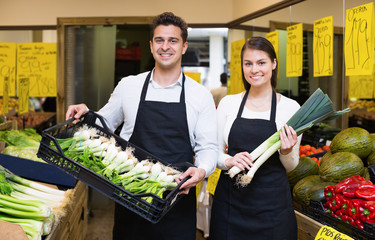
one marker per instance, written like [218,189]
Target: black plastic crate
[367,233]
[134,202]
[314,210]
[371,170]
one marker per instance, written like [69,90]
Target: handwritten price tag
[235,83]
[328,233]
[37,62]
[294,50]
[6,95]
[323,47]
[212,181]
[23,95]
[7,67]
[273,37]
[359,40]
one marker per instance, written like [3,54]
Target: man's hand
[75,111]
[197,175]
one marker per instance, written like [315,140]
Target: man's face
[167,46]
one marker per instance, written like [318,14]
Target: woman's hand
[242,160]
[288,138]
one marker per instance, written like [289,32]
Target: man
[172,117]
[220,92]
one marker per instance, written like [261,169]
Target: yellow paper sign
[37,62]
[323,47]
[359,40]
[294,50]
[273,37]
[212,181]
[23,95]
[6,96]
[362,86]
[328,233]
[194,75]
[7,67]
[235,84]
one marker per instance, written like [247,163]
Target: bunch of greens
[28,203]
[23,143]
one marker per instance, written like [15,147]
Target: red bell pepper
[351,188]
[366,191]
[329,192]
[339,187]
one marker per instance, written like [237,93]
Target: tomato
[326,148]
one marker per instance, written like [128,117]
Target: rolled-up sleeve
[205,136]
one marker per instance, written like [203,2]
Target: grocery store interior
[92,45]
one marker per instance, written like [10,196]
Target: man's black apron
[161,128]
[263,209]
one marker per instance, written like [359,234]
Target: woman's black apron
[161,128]
[262,210]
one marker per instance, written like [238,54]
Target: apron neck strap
[273,106]
[145,86]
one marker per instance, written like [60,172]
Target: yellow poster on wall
[362,86]
[294,50]
[273,37]
[359,40]
[37,62]
[235,84]
[323,47]
[194,75]
[23,95]
[8,67]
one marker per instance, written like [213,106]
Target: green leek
[317,108]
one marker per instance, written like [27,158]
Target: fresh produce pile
[308,151]
[103,156]
[23,143]
[350,150]
[31,205]
[352,200]
[369,105]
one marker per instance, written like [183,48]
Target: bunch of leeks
[317,108]
[103,155]
[28,203]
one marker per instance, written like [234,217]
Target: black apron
[161,128]
[263,209]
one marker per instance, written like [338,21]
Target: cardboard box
[11,231]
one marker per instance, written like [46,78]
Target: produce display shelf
[316,211]
[134,202]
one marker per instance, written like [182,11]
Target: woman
[263,209]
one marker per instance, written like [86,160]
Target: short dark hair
[168,18]
[262,44]
[223,78]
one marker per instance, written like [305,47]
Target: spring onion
[317,108]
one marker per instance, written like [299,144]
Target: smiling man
[171,116]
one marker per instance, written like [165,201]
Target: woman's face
[257,67]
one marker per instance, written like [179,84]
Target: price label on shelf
[328,233]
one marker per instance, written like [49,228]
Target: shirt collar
[155,84]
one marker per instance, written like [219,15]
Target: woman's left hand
[288,138]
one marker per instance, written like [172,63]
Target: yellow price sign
[294,50]
[328,233]
[273,37]
[212,181]
[6,95]
[23,95]
[235,84]
[8,67]
[323,47]
[37,62]
[359,40]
